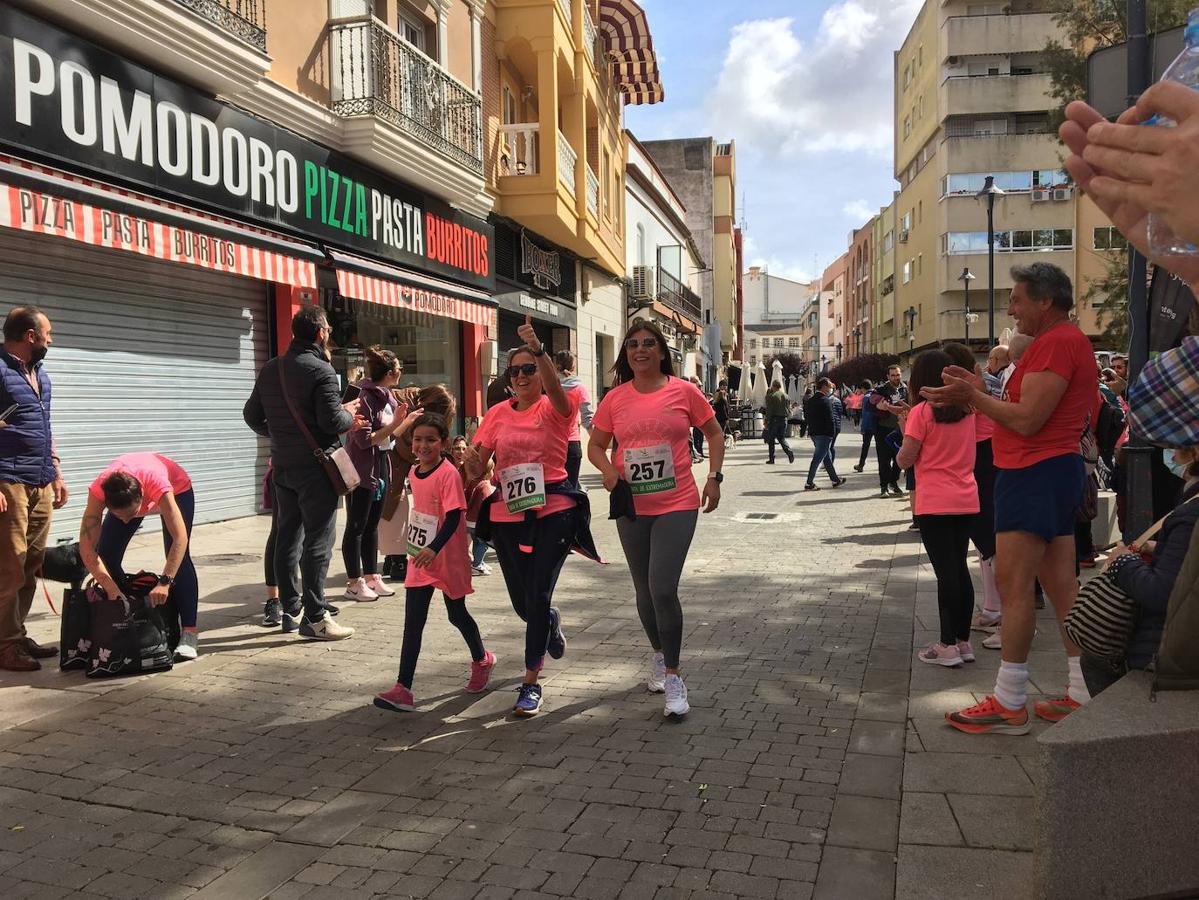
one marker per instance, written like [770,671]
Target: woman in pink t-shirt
[532,527]
[940,443]
[134,486]
[437,560]
[651,413]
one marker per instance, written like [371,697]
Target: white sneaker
[676,697]
[324,629]
[379,586]
[656,682]
[187,649]
[993,641]
[358,590]
[481,570]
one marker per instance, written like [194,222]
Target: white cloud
[778,266]
[858,210]
[791,94]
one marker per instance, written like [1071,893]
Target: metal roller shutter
[147,355]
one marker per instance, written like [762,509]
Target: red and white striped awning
[47,201]
[630,48]
[375,282]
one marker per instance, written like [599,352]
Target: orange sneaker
[1056,709]
[990,716]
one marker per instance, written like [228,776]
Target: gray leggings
[656,548]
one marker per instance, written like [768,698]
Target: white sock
[992,605]
[1011,686]
[1077,688]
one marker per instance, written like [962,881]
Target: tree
[792,363]
[872,366]
[1111,293]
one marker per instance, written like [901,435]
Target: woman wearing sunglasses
[651,414]
[538,514]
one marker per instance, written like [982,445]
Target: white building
[769,299]
[663,262]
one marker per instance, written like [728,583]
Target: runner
[538,515]
[438,560]
[651,414]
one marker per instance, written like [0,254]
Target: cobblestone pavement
[814,762]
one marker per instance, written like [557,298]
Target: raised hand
[526,333]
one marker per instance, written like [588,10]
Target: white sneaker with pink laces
[379,586]
[357,590]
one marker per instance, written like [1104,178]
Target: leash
[46,591]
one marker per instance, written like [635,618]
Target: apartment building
[773,309]
[831,334]
[704,174]
[972,100]
[859,292]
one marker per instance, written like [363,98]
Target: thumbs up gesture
[529,336]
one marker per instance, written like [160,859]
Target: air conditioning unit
[643,283]
[1040,196]
[903,236]
[1063,193]
[953,61]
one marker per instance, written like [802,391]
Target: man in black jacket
[887,399]
[304,495]
[819,414]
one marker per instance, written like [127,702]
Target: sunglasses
[644,343]
[526,369]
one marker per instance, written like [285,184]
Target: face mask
[37,354]
[1177,468]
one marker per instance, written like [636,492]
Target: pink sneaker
[379,586]
[966,651]
[941,655]
[480,674]
[398,699]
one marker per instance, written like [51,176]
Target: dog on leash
[64,564]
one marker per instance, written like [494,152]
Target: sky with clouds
[805,89]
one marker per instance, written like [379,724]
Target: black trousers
[574,461]
[360,541]
[307,518]
[532,577]
[888,471]
[268,555]
[867,437]
[416,614]
[982,532]
[946,541]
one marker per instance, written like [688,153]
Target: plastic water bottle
[1184,70]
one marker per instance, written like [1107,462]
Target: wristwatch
[718,476]
[166,580]
[539,352]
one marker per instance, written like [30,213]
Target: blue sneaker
[529,701]
[557,642]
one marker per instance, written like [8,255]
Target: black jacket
[818,413]
[885,421]
[316,393]
[1150,584]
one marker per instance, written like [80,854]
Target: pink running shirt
[653,436]
[156,473]
[433,496]
[945,484]
[584,396]
[537,435]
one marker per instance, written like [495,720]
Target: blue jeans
[115,536]
[823,444]
[478,549]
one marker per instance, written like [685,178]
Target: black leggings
[531,577]
[946,540]
[982,531]
[574,461]
[416,613]
[867,437]
[268,555]
[360,543]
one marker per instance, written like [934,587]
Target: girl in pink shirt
[532,528]
[437,559]
[651,413]
[940,443]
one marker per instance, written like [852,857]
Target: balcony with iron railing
[245,19]
[675,295]
[377,73]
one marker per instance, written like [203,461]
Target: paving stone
[986,874]
[261,873]
[927,819]
[871,776]
[847,874]
[867,823]
[998,823]
[965,773]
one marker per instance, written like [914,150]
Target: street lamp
[823,363]
[839,352]
[857,340]
[990,192]
[909,316]
[965,278]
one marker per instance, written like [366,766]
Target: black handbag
[338,466]
[128,635]
[75,630]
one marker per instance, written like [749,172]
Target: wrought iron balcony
[677,296]
[378,73]
[245,19]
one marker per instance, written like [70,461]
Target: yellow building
[726,276]
[972,100]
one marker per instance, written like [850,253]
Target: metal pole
[1139,456]
[966,317]
[990,271]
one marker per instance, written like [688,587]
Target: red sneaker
[480,674]
[1055,709]
[990,716]
[398,699]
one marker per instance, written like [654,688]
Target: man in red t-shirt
[1039,423]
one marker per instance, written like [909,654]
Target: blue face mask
[1177,468]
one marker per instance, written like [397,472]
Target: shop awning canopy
[376,282]
[38,199]
[630,47]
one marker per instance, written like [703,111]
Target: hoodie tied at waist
[582,543]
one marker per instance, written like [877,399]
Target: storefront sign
[544,309]
[41,213]
[544,265]
[63,97]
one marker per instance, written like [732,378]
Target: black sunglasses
[525,369]
[645,343]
